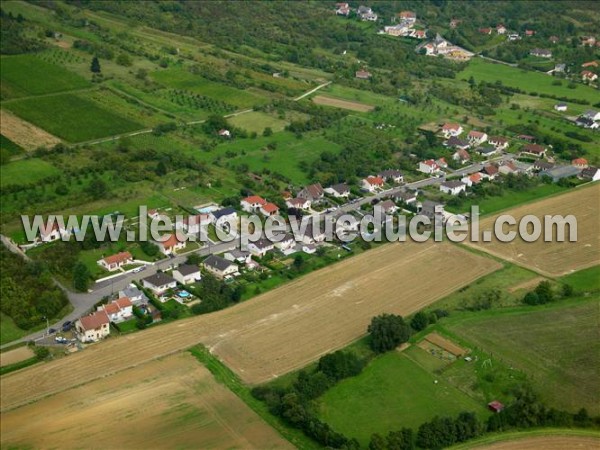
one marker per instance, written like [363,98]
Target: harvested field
[170,403]
[344,104]
[24,133]
[553,258]
[281,330]
[15,356]
[546,443]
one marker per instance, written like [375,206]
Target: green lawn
[586,280]
[526,80]
[257,121]
[392,392]
[72,117]
[26,171]
[557,346]
[25,75]
[8,330]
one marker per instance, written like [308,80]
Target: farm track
[546,443]
[279,331]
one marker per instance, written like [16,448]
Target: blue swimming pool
[183,294]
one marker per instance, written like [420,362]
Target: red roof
[270,208]
[408,14]
[490,169]
[451,126]
[496,406]
[171,241]
[375,181]
[590,64]
[123,302]
[579,162]
[529,32]
[118,258]
[255,199]
[475,178]
[534,148]
[587,74]
[476,134]
[94,320]
[430,162]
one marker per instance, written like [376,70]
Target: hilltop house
[477,137]
[115,262]
[93,327]
[118,310]
[313,192]
[159,283]
[220,267]
[453,187]
[187,274]
[451,129]
[339,190]
[372,184]
[171,244]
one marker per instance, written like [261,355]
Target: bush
[387,332]
[420,321]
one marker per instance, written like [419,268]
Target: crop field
[558,347]
[26,171]
[257,121]
[170,403]
[553,258]
[281,330]
[28,75]
[180,78]
[392,392]
[24,134]
[72,117]
[526,80]
[344,104]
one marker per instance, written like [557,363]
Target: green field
[257,121]
[26,171]
[180,78]
[10,146]
[26,75]
[72,117]
[526,80]
[393,391]
[586,280]
[8,330]
[558,347]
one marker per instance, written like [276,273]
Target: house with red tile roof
[312,192]
[93,327]
[580,163]
[118,310]
[451,129]
[115,262]
[587,75]
[298,203]
[252,203]
[461,156]
[170,244]
[371,184]
[477,137]
[534,149]
[429,167]
[474,178]
[269,209]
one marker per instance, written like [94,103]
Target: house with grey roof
[220,267]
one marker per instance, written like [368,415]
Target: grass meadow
[586,280]
[10,146]
[26,171]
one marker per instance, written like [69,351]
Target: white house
[339,190]
[501,143]
[477,137]
[219,267]
[269,209]
[93,327]
[560,107]
[314,233]
[474,178]
[187,274]
[136,296]
[261,247]
[170,244]
[159,283]
[429,167]
[451,129]
[223,218]
[298,203]
[406,197]
[590,174]
[461,156]
[252,203]
[287,243]
[371,184]
[453,187]
[52,233]
[115,262]
[309,248]
[388,206]
[118,310]
[392,176]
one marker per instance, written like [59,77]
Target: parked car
[61,340]
[66,326]
[51,330]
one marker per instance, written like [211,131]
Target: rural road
[306,94]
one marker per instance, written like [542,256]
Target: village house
[442,163]
[342,9]
[362,74]
[418,34]
[136,296]
[238,256]
[193,224]
[118,310]
[451,129]
[560,172]
[489,171]
[588,41]
[560,107]
[487,151]
[541,165]
[388,206]
[287,244]
[409,16]
[159,283]
[261,247]
[339,190]
[366,14]
[457,143]
[153,214]
[312,192]
[529,33]
[587,75]
[501,143]
[474,178]
[508,167]
[514,37]
[454,23]
[462,156]
[314,232]
[590,174]
[495,406]
[220,267]
[371,184]
[269,209]
[187,274]
[391,176]
[560,68]
[224,133]
[586,123]
[526,137]
[309,249]
[52,233]
[590,64]
[541,53]
[401,29]
[535,150]
[453,187]
[298,203]
[170,244]
[580,163]
[477,137]
[252,203]
[115,262]
[432,210]
[429,167]
[500,29]
[224,218]
[93,327]
[485,30]
[554,39]
[406,197]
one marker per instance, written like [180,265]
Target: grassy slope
[586,280]
[25,171]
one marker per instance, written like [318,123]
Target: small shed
[495,406]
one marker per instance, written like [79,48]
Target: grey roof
[340,188]
[589,113]
[130,292]
[218,263]
[589,172]
[187,269]
[486,150]
[453,184]
[561,172]
[159,279]
[223,212]
[263,243]
[237,253]
[390,173]
[456,142]
[542,165]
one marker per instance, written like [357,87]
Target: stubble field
[344,104]
[554,258]
[170,403]
[279,331]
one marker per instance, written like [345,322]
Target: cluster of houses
[405,26]
[440,46]
[589,119]
[482,144]
[364,13]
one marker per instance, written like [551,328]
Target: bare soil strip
[281,330]
[553,258]
[170,403]
[344,104]
[445,344]
[24,133]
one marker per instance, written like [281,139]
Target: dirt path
[281,330]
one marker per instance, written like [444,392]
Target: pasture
[72,117]
[558,347]
[283,329]
[344,104]
[28,75]
[392,392]
[526,80]
[553,258]
[170,403]
[586,280]
[257,121]
[26,171]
